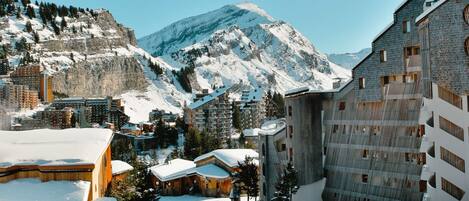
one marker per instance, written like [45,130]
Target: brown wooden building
[52,155]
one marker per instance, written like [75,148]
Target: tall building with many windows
[367,135]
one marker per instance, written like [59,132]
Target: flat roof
[34,189]
[46,147]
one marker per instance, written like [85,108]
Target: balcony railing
[413,61]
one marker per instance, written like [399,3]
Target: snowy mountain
[349,60]
[241,46]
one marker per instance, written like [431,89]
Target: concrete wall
[306,139]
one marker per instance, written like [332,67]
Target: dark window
[291,154]
[290,131]
[383,57]
[466,46]
[451,189]
[364,178]
[263,149]
[284,147]
[361,83]
[289,111]
[364,153]
[263,169]
[406,26]
[342,106]
[264,189]
[466,14]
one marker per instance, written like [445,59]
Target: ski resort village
[232,104]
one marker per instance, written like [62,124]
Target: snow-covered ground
[310,192]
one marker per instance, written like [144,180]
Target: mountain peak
[254,8]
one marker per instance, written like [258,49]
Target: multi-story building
[211,113]
[156,115]
[368,132]
[57,119]
[252,108]
[444,39]
[28,75]
[62,158]
[102,109]
[19,96]
[4,67]
[272,156]
[45,89]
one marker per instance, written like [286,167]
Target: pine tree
[280,103]
[29,27]
[63,23]
[192,144]
[287,185]
[30,12]
[18,13]
[248,176]
[36,37]
[55,27]
[25,2]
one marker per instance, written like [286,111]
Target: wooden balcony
[413,63]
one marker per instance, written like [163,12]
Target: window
[284,147]
[452,159]
[263,149]
[406,26]
[451,128]
[263,170]
[335,128]
[449,97]
[466,14]
[383,57]
[264,189]
[466,46]
[290,131]
[407,157]
[364,178]
[361,83]
[289,111]
[451,189]
[365,154]
[342,106]
[291,154]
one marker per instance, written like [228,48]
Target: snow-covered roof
[212,171]
[218,92]
[429,10]
[174,169]
[272,127]
[130,126]
[119,167]
[46,147]
[307,89]
[230,157]
[34,189]
[251,132]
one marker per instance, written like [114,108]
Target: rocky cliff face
[91,56]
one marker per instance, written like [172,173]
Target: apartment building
[366,134]
[57,119]
[19,96]
[252,108]
[102,109]
[444,36]
[272,156]
[28,75]
[4,67]
[211,113]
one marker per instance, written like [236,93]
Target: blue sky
[333,26]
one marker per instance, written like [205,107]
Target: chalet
[120,169]
[209,174]
[79,158]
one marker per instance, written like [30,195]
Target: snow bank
[272,127]
[230,157]
[53,147]
[34,189]
[119,167]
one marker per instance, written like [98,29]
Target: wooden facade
[194,183]
[99,174]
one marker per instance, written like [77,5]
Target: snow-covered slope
[349,60]
[242,46]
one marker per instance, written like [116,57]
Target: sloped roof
[176,168]
[218,92]
[429,10]
[46,147]
[119,167]
[230,157]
